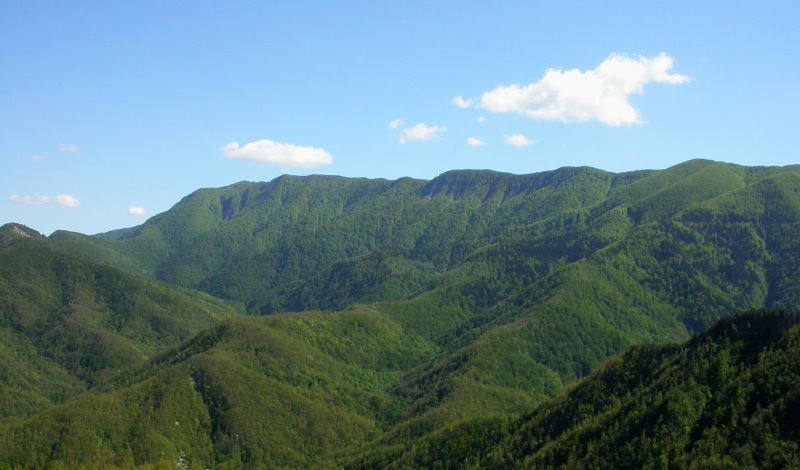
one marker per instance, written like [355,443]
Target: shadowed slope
[66,322]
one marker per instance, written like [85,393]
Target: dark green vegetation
[445,308]
[729,398]
[66,323]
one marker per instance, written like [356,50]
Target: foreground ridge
[727,398]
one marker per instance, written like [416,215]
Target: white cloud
[600,94]
[67,148]
[276,153]
[64,200]
[30,200]
[462,102]
[481,119]
[396,123]
[67,201]
[475,142]
[519,140]
[420,132]
[137,211]
[37,158]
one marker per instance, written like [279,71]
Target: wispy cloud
[420,132]
[137,211]
[396,123]
[475,142]
[462,102]
[481,119]
[276,153]
[67,148]
[519,140]
[64,200]
[37,158]
[30,200]
[601,94]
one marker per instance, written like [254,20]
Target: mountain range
[365,323]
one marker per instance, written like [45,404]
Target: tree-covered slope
[259,392]
[255,242]
[561,305]
[508,288]
[316,390]
[273,246]
[726,399]
[66,323]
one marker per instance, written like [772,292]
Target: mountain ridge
[210,208]
[477,297]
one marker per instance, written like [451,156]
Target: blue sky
[106,106]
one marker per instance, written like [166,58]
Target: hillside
[726,399]
[310,390]
[257,242]
[67,323]
[251,392]
[273,246]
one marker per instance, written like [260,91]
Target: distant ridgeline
[441,322]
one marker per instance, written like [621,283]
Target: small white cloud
[601,94]
[64,200]
[475,142]
[30,200]
[519,140]
[420,132]
[481,119]
[37,158]
[67,148]
[67,201]
[276,153]
[462,102]
[137,211]
[396,123]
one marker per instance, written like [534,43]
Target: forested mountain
[67,323]
[456,303]
[274,246]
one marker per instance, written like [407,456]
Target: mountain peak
[11,232]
